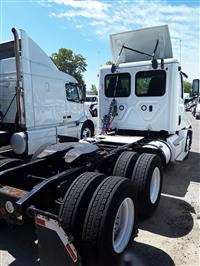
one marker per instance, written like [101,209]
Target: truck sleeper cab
[37,101]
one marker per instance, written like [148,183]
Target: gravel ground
[171,237]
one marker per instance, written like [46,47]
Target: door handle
[150,108]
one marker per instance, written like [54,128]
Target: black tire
[94,112]
[38,151]
[97,238]
[188,143]
[9,163]
[125,164]
[141,178]
[87,130]
[76,201]
[2,222]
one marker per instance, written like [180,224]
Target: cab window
[150,83]
[117,85]
[72,92]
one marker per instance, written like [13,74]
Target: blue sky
[84,26]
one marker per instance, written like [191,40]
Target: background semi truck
[86,196]
[38,103]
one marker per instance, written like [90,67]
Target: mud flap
[55,247]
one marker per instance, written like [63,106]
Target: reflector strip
[40,221]
[72,252]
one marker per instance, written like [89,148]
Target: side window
[150,83]
[72,92]
[118,85]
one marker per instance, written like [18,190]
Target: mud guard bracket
[55,247]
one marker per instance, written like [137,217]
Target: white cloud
[88,4]
[87,13]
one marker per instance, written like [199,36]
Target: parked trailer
[86,196]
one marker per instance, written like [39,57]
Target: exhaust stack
[19,89]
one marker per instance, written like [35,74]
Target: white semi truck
[38,103]
[86,196]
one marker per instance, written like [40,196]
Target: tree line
[75,65]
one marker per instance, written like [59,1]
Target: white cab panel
[145,113]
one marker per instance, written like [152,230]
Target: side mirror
[83,94]
[196,87]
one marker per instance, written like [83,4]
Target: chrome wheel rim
[187,147]
[87,133]
[123,225]
[155,185]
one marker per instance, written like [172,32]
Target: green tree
[187,86]
[94,89]
[109,62]
[69,62]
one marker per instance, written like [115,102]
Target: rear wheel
[147,180]
[76,201]
[110,222]
[125,164]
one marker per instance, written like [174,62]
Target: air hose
[108,118]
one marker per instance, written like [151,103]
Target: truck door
[182,121]
[74,107]
[150,87]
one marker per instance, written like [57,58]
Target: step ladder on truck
[85,196]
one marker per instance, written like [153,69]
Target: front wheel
[87,131]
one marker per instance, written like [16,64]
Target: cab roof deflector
[138,45]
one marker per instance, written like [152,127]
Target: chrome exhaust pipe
[19,89]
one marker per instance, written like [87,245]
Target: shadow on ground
[177,176]
[19,241]
[172,218]
[145,255]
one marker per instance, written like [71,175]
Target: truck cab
[38,102]
[143,91]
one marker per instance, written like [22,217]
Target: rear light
[40,221]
